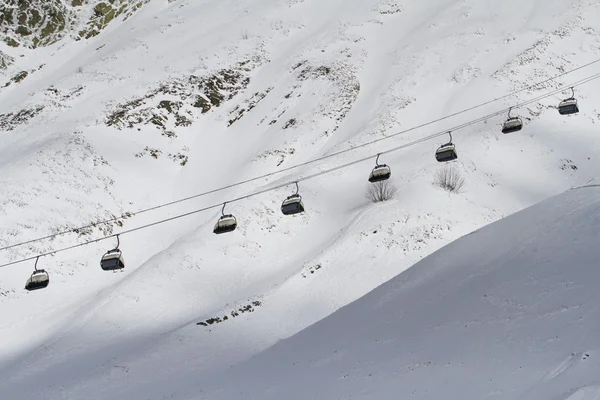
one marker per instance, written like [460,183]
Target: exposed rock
[38,23]
[172,104]
[10,121]
[248,308]
[239,111]
[5,60]
[106,11]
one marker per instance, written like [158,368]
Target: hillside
[176,98]
[39,23]
[510,311]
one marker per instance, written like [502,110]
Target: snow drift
[511,311]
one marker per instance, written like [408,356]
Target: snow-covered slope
[511,311]
[188,96]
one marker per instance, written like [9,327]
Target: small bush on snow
[449,179]
[381,191]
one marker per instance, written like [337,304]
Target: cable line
[311,176]
[239,183]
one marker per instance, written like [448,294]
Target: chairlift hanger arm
[450,133]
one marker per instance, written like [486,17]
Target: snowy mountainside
[184,97]
[509,311]
[38,23]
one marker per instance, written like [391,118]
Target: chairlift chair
[446,152]
[292,204]
[512,124]
[381,172]
[39,279]
[113,259]
[226,223]
[569,106]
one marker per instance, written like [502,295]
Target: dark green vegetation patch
[10,121]
[38,23]
[172,103]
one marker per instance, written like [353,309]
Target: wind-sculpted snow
[510,311]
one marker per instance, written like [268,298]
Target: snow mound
[510,311]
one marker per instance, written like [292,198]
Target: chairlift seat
[512,124]
[380,173]
[226,223]
[568,106]
[292,205]
[112,260]
[446,152]
[38,280]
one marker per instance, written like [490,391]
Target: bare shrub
[449,179]
[381,191]
[245,35]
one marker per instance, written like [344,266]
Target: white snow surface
[323,76]
[509,311]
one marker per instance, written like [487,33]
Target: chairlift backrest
[293,197]
[39,274]
[114,253]
[381,167]
[446,147]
